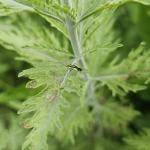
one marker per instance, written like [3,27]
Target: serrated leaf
[45,120]
[139,142]
[10,6]
[109,5]
[115,116]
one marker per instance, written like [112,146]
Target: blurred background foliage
[132,26]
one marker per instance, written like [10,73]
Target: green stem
[74,39]
[109,77]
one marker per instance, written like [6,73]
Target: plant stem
[109,77]
[74,39]
[66,75]
[76,46]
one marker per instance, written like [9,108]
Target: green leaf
[76,118]
[8,7]
[139,142]
[116,116]
[9,133]
[46,118]
[109,5]
[53,12]
[131,74]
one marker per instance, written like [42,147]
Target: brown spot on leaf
[53,96]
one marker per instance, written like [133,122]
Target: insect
[72,65]
[75,67]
